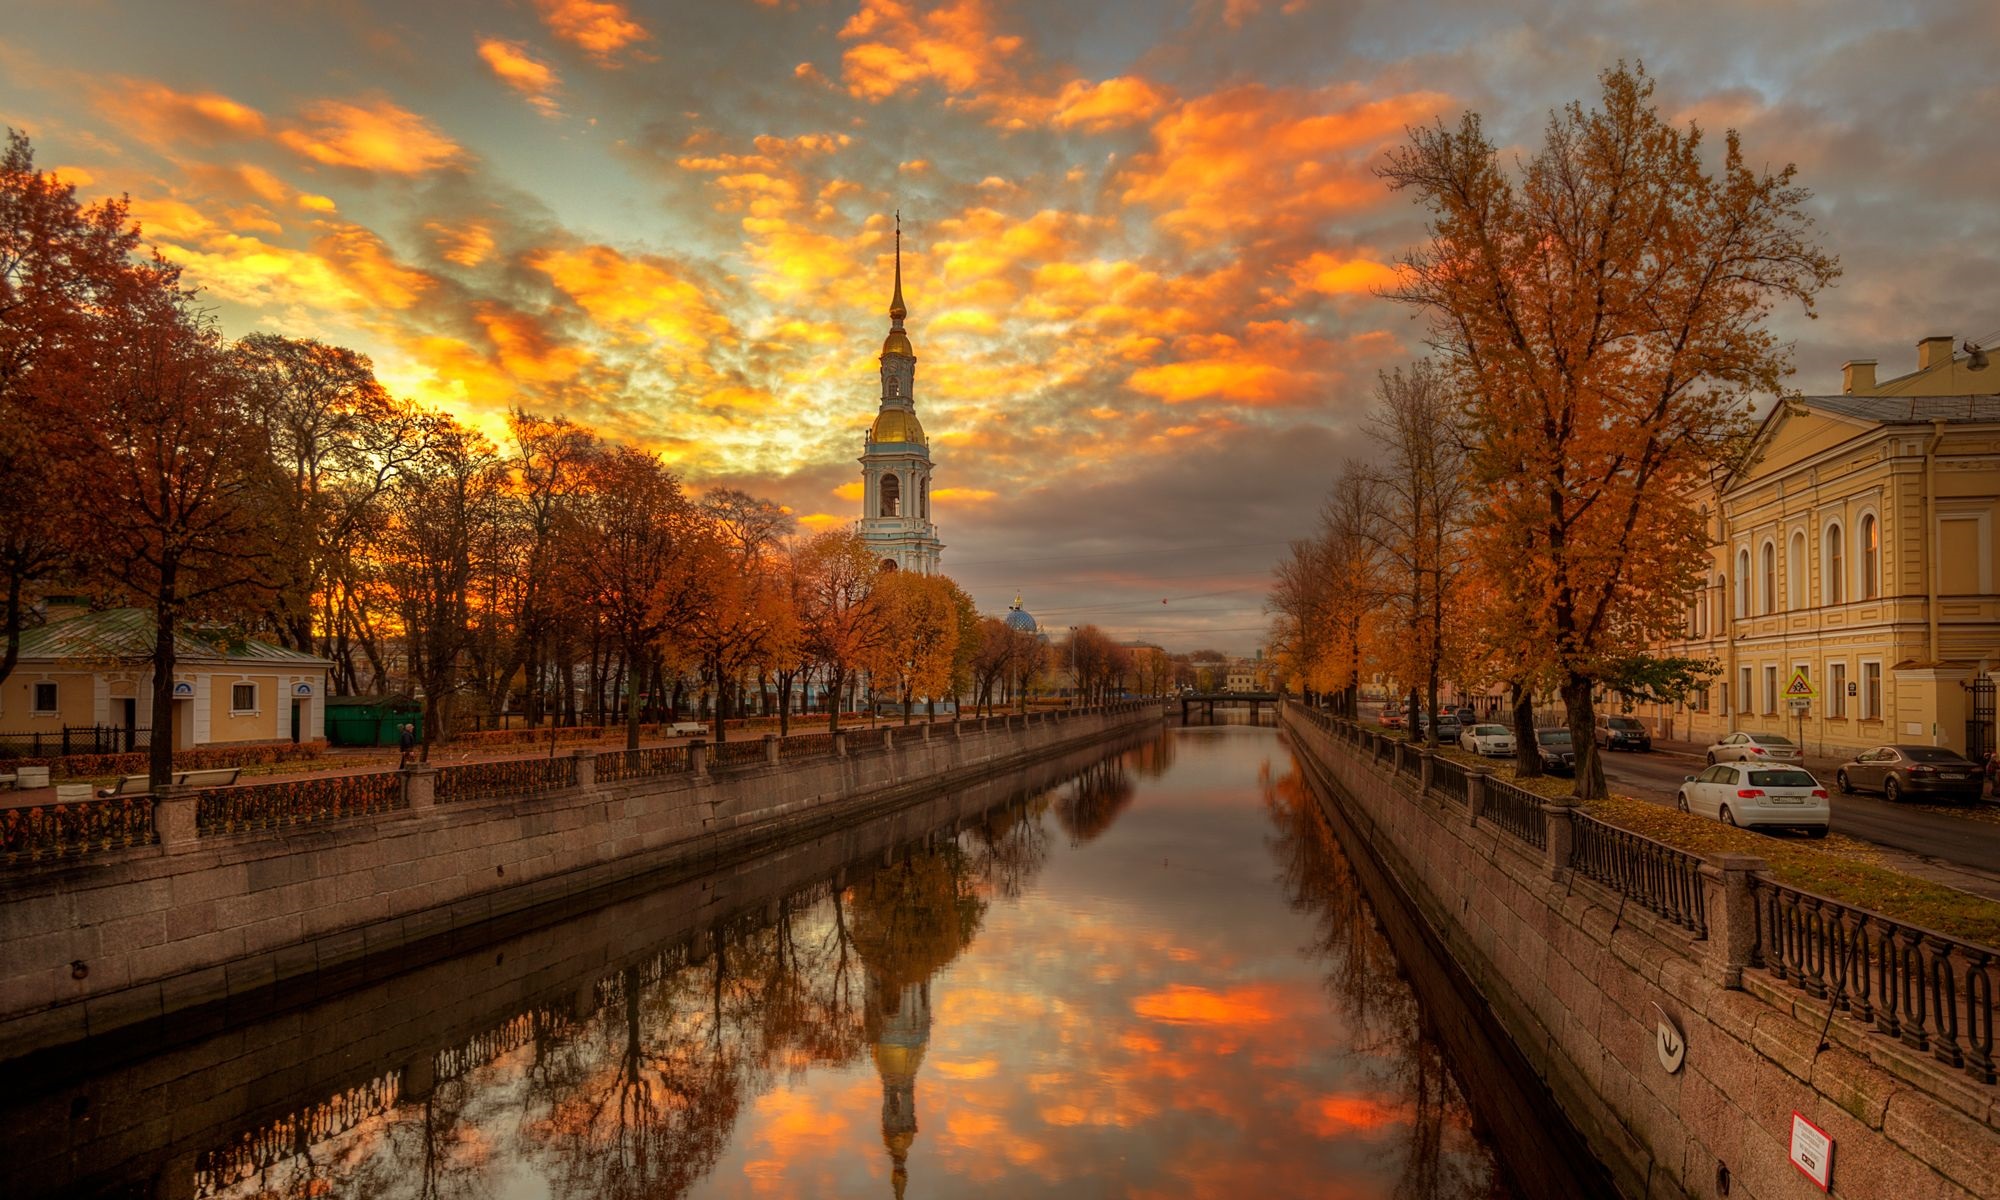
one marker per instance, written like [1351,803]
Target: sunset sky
[1141,239]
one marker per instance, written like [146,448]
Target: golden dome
[897,425]
[897,342]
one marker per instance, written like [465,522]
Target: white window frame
[1836,689]
[1770,689]
[1870,711]
[1743,566]
[1746,690]
[1869,577]
[35,708]
[255,694]
[1796,571]
[1832,575]
[1767,577]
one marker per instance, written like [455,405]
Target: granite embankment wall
[120,938]
[1580,975]
[195,1085]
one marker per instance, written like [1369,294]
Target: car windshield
[1933,754]
[1623,723]
[1490,731]
[1782,779]
[1552,737]
[1770,739]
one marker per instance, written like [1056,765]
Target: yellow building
[94,670]
[1858,547]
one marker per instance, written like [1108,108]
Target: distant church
[896,457]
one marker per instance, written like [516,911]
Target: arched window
[1833,569]
[1795,571]
[1743,582]
[1870,540]
[1721,614]
[892,496]
[1767,578]
[924,499]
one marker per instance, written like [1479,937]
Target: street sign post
[1799,695]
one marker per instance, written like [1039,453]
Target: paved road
[1972,843]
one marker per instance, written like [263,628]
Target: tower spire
[896,310]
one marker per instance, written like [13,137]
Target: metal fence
[1516,810]
[46,832]
[743,750]
[505,777]
[1664,880]
[1448,777]
[73,739]
[297,801]
[1929,990]
[805,745]
[614,766]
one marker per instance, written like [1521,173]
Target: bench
[130,785]
[687,729]
[211,778]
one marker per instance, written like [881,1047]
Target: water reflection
[1157,978]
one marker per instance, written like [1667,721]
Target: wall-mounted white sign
[1669,1042]
[1812,1151]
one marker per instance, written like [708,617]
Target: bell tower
[896,457]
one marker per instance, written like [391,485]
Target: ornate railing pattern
[1665,880]
[863,739]
[487,1045]
[297,801]
[44,832]
[743,750]
[1448,777]
[1931,991]
[614,766]
[292,1135]
[805,745]
[505,777]
[1516,810]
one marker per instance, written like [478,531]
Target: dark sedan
[1623,733]
[1557,749]
[1898,771]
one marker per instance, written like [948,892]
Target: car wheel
[1891,790]
[1816,831]
[1840,781]
[1683,800]
[1728,818]
[1711,758]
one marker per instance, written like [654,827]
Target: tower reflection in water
[734,1062]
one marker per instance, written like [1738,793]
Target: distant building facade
[1858,547]
[896,457]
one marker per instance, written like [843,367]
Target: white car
[1755,747]
[1494,741]
[1758,795]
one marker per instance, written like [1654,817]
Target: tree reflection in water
[1364,981]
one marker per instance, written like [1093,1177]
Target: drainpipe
[1930,535]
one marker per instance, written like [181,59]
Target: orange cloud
[1184,1004]
[167,115]
[1112,104]
[372,136]
[1331,275]
[467,245]
[512,65]
[1340,1116]
[1258,157]
[1273,363]
[895,47]
[637,297]
[525,350]
[371,267]
[849,491]
[597,27]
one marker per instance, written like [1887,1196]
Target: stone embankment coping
[114,912]
[1586,939]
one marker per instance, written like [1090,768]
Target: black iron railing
[297,801]
[1448,777]
[1664,880]
[1929,990]
[743,750]
[805,745]
[1516,810]
[73,739]
[505,777]
[46,832]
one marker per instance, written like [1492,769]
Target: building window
[1836,689]
[1767,579]
[1795,572]
[45,700]
[924,497]
[1743,582]
[892,496]
[1770,690]
[1721,615]
[1833,577]
[1743,692]
[242,699]
[1701,700]
[1722,700]
[1871,691]
[1871,557]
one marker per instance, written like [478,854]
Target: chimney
[1857,377]
[1933,351]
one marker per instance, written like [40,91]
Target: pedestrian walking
[409,743]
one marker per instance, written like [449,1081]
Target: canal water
[1156,978]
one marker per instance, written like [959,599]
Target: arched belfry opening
[892,496]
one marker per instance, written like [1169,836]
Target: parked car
[1465,715]
[1622,733]
[1389,718]
[1493,741]
[1557,749]
[1758,795]
[1755,747]
[1448,730]
[1898,771]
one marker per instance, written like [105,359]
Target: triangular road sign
[1801,687]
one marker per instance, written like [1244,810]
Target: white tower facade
[896,457]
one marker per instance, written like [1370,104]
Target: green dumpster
[371,720]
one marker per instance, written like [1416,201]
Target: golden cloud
[166,115]
[895,47]
[374,135]
[1329,274]
[597,27]
[468,245]
[636,297]
[1111,104]
[1275,362]
[512,65]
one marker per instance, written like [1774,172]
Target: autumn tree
[1605,314]
[920,614]
[840,615]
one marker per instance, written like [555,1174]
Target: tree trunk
[835,680]
[1582,716]
[631,675]
[160,755]
[1527,755]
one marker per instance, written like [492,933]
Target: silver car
[1755,747]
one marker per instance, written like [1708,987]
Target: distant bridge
[1208,701]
